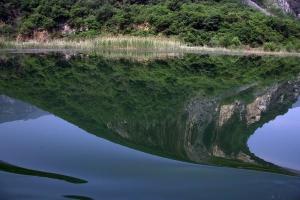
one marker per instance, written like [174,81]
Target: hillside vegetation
[225,23]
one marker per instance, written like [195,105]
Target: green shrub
[235,42]
[6,30]
[36,21]
[105,13]
[88,34]
[271,46]
[225,41]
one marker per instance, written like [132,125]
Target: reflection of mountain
[12,110]
[297,104]
[213,130]
[190,109]
[226,133]
[6,167]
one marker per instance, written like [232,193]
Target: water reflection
[12,109]
[77,197]
[112,171]
[20,170]
[278,140]
[198,109]
[190,108]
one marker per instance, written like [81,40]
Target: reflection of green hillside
[166,107]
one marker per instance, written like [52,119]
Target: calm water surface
[283,133]
[193,127]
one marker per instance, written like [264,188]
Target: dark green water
[188,127]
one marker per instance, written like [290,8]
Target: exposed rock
[68,55]
[67,30]
[41,36]
[122,133]
[83,28]
[226,112]
[295,6]
[256,108]
[284,6]
[119,128]
[22,38]
[142,27]
[287,6]
[244,157]
[217,152]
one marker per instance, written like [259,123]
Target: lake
[164,126]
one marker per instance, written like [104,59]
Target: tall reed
[106,42]
[134,43]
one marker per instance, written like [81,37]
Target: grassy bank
[134,43]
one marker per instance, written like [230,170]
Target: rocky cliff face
[295,6]
[284,5]
[287,6]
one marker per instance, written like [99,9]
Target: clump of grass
[106,42]
[4,43]
[130,42]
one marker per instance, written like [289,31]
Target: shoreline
[131,44]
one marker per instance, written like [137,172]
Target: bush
[6,30]
[271,46]
[235,42]
[293,45]
[36,21]
[223,40]
[88,34]
[105,13]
